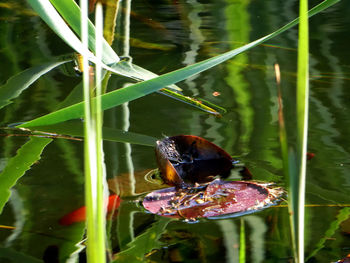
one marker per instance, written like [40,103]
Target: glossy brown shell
[188,159]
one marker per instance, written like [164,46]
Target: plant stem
[93,154]
[302,120]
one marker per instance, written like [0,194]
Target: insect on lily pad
[185,160]
[195,168]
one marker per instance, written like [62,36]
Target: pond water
[165,36]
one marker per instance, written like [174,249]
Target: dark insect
[186,160]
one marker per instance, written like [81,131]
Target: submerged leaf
[26,156]
[143,244]
[18,83]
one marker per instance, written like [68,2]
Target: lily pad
[220,198]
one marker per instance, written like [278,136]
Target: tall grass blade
[298,186]
[70,12]
[92,159]
[138,90]
[101,175]
[288,158]
[49,14]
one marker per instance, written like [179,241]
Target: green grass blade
[16,167]
[288,159]
[93,152]
[138,90]
[299,179]
[76,129]
[18,83]
[70,11]
[193,102]
[49,14]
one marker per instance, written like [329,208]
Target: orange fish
[79,214]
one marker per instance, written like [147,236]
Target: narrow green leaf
[191,101]
[49,14]
[26,156]
[18,83]
[70,11]
[76,128]
[138,90]
[127,68]
[302,127]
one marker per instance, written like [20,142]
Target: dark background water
[165,36]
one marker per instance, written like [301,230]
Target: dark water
[166,36]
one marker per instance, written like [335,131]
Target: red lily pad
[219,198]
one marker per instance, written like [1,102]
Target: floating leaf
[220,198]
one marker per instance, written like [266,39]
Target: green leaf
[200,104]
[298,201]
[18,83]
[16,167]
[70,11]
[138,90]
[49,14]
[76,128]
